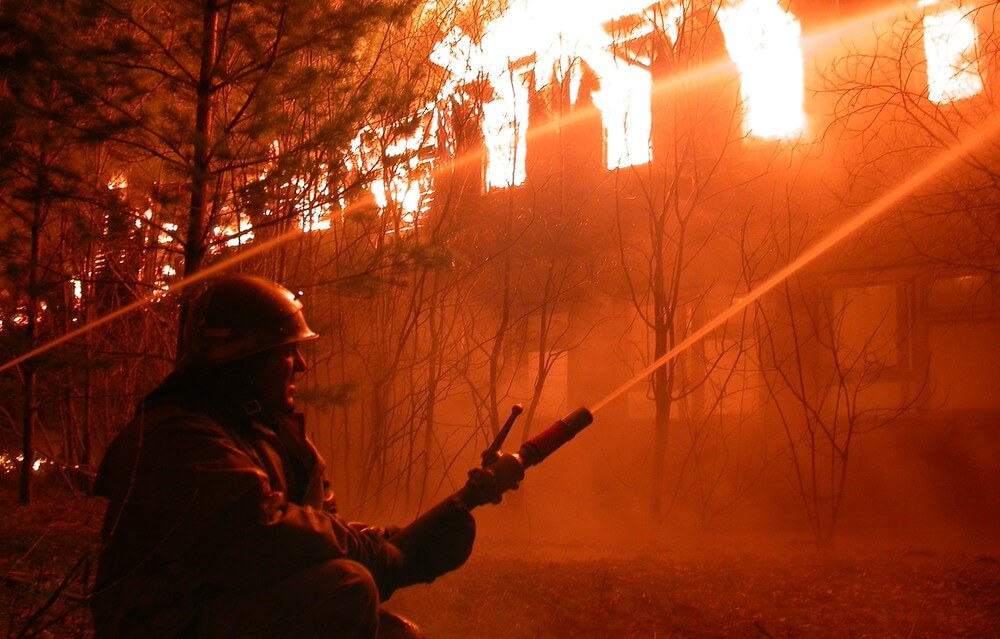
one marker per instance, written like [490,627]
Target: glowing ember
[117,182]
[950,45]
[312,203]
[11,463]
[237,233]
[765,43]
[166,236]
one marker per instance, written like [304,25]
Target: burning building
[616,175]
[587,184]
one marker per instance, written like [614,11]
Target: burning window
[550,40]
[950,46]
[505,127]
[765,43]
[624,102]
[409,187]
[399,165]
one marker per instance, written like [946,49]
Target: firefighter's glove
[487,485]
[438,542]
[483,487]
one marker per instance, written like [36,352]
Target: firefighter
[219,522]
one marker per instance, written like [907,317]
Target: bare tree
[822,367]
[668,210]
[916,85]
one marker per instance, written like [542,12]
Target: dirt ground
[731,593]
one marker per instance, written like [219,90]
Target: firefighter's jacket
[204,498]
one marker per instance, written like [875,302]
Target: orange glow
[944,161]
[237,233]
[950,45]
[401,173]
[550,39]
[166,236]
[505,124]
[311,206]
[117,182]
[624,102]
[311,203]
[10,463]
[765,42]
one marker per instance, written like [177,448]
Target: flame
[117,182]
[950,36]
[165,236]
[505,124]
[311,204]
[549,40]
[402,170]
[624,103]
[11,463]
[234,234]
[765,43]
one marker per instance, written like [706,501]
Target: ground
[758,592]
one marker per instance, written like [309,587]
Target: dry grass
[736,595]
[733,594]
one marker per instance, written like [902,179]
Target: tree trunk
[661,392]
[29,405]
[194,249]
[194,245]
[27,445]
[661,424]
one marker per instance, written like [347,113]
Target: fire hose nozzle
[503,471]
[548,441]
[487,484]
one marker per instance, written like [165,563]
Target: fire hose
[499,473]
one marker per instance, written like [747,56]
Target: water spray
[501,472]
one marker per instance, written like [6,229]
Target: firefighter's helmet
[239,315]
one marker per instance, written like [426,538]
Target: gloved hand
[487,485]
[437,542]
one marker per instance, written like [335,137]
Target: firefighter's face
[275,384]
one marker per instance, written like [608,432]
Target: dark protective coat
[204,499]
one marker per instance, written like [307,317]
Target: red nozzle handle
[545,443]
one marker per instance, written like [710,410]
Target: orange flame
[550,39]
[950,36]
[765,43]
